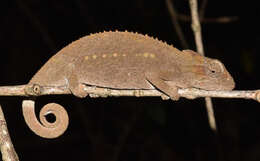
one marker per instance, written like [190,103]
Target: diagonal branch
[196,26]
[175,22]
[223,19]
[6,146]
[198,39]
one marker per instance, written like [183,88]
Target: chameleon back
[120,60]
[110,59]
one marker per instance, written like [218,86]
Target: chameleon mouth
[229,84]
[226,86]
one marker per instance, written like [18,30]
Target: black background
[31,31]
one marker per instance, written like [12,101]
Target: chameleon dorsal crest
[122,60]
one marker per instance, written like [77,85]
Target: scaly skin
[123,60]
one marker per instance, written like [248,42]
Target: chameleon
[121,60]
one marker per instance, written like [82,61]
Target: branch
[196,26]
[223,19]
[176,23]
[189,93]
[198,39]
[6,146]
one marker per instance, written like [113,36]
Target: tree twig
[223,19]
[6,146]
[196,26]
[176,24]
[189,93]
[198,39]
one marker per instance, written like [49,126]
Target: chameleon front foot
[155,80]
[44,128]
[78,90]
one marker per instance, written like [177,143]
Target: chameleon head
[212,75]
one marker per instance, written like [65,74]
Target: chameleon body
[122,60]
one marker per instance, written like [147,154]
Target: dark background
[31,31]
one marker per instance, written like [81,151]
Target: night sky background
[129,128]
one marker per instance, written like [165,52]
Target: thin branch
[247,94]
[176,24]
[189,93]
[224,19]
[24,90]
[6,146]
[196,26]
[198,39]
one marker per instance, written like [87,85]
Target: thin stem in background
[6,146]
[223,19]
[175,22]
[198,39]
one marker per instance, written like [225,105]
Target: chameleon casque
[121,60]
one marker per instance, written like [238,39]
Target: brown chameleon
[121,60]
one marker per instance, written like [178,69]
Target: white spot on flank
[94,56]
[152,55]
[115,54]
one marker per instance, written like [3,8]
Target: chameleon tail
[44,128]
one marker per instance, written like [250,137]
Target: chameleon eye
[212,71]
[216,66]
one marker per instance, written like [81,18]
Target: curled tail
[44,128]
